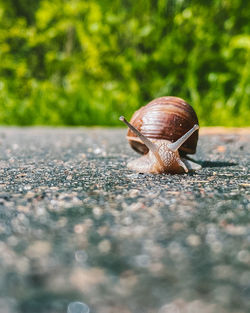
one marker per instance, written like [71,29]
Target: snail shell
[164,118]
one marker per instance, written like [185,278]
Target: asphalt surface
[77,225]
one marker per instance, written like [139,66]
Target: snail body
[162,151]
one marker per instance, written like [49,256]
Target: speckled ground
[77,225]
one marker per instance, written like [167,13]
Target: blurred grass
[87,62]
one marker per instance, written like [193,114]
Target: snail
[164,130]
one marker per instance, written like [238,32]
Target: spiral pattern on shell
[164,118]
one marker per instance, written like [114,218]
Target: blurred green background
[81,62]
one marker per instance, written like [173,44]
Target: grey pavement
[77,225]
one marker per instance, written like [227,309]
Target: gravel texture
[77,225]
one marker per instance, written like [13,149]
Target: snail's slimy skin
[148,163]
[163,155]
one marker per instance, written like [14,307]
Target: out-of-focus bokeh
[86,62]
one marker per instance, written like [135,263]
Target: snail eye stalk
[176,145]
[144,139]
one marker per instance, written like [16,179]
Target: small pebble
[78,307]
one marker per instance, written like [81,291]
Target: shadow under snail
[164,131]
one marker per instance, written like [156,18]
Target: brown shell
[164,118]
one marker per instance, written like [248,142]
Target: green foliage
[87,62]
